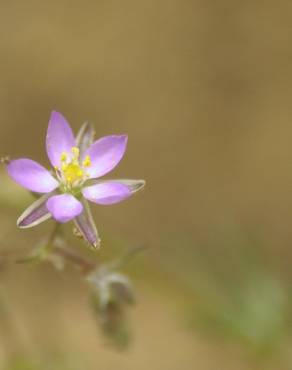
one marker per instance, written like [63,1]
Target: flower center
[72,173]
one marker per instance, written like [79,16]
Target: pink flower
[77,164]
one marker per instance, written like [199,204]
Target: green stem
[84,264]
[68,254]
[124,259]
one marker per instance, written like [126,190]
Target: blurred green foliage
[241,296]
[21,362]
[257,313]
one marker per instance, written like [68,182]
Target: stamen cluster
[72,174]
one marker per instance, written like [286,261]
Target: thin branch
[124,259]
[69,255]
[56,231]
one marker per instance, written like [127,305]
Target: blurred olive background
[203,89]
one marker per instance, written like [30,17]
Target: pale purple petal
[85,137]
[106,193]
[59,139]
[64,207]
[31,175]
[85,224]
[105,154]
[133,185]
[35,214]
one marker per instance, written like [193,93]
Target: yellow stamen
[86,161]
[72,171]
[64,157]
[75,151]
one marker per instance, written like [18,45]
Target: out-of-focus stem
[68,254]
[124,259]
[54,234]
[84,264]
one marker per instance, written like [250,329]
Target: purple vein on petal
[35,214]
[85,224]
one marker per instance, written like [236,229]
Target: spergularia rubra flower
[78,163]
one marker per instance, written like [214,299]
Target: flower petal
[35,214]
[133,185]
[31,175]
[105,154]
[108,192]
[59,139]
[64,207]
[85,137]
[85,224]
